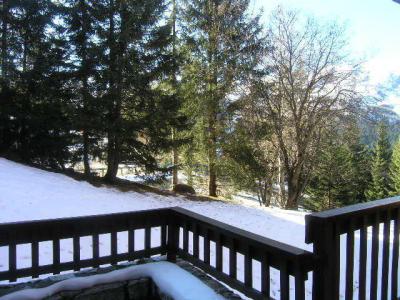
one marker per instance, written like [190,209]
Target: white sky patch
[373,32]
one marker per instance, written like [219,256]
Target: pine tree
[80,27]
[395,170]
[380,184]
[37,102]
[136,59]
[342,173]
[330,186]
[224,43]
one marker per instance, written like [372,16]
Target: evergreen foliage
[341,176]
[380,184]
[224,44]
[238,106]
[395,170]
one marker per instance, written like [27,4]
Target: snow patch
[169,278]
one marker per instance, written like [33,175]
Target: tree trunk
[114,101]
[175,161]
[175,156]
[268,193]
[281,180]
[294,190]
[212,180]
[85,89]
[4,41]
[86,163]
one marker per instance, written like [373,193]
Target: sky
[373,27]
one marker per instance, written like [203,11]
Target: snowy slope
[29,194]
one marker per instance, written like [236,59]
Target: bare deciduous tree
[311,81]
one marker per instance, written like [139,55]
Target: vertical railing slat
[385,256]
[12,261]
[362,275]
[336,263]
[163,239]
[114,247]
[265,276]
[299,282]
[195,240]
[395,255]
[284,281]
[185,237]
[350,261]
[95,250]
[173,238]
[206,243]
[131,243]
[76,252]
[374,258]
[147,240]
[248,267]
[233,260]
[56,256]
[218,253]
[35,259]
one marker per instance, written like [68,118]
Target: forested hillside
[200,89]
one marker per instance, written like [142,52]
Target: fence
[325,229]
[215,247]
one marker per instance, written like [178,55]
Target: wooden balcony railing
[369,220]
[215,248]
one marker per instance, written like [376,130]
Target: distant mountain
[372,116]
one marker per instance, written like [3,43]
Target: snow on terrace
[30,194]
[164,274]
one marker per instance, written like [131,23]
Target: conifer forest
[209,94]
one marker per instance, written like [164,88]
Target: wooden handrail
[287,259]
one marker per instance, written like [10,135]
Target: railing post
[326,251]
[173,237]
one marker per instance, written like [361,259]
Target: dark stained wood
[131,243]
[233,260]
[290,259]
[173,238]
[95,249]
[374,258]
[299,282]
[114,247]
[385,257]
[35,258]
[147,240]
[76,252]
[350,262]
[195,241]
[284,281]
[185,237]
[248,268]
[218,253]
[206,247]
[68,266]
[56,256]
[395,254]
[12,262]
[164,239]
[362,276]
[265,276]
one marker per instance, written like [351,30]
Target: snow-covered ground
[30,194]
